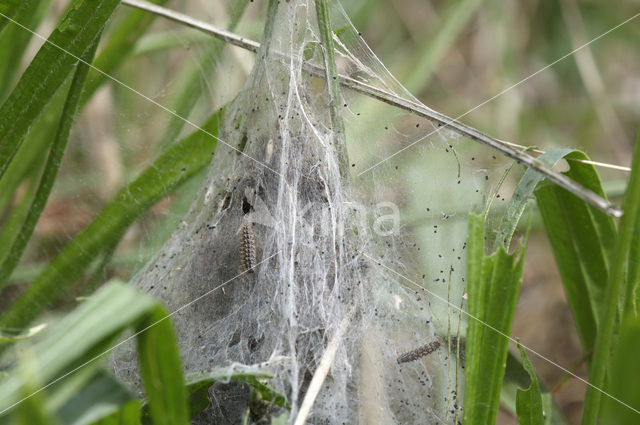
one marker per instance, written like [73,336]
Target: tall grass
[597,258]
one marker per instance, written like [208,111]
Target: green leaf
[11,9]
[76,32]
[14,40]
[128,415]
[493,284]
[169,171]
[624,383]
[516,377]
[333,85]
[119,46]
[71,351]
[198,385]
[529,400]
[521,196]
[581,239]
[50,169]
[101,397]
[27,164]
[161,369]
[617,284]
[32,410]
[7,337]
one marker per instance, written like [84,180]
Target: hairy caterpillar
[421,351]
[247,248]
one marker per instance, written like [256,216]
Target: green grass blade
[14,40]
[493,284]
[101,397]
[118,47]
[529,400]
[74,346]
[51,167]
[161,370]
[76,31]
[516,377]
[198,385]
[29,161]
[169,171]
[624,383]
[11,8]
[32,410]
[87,331]
[615,286]
[521,196]
[633,274]
[128,415]
[333,85]
[10,338]
[581,239]
[191,81]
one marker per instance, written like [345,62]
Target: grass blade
[11,8]
[128,415]
[32,411]
[521,196]
[119,46]
[333,85]
[73,347]
[624,382]
[529,400]
[161,370]
[101,397]
[14,40]
[517,377]
[493,287]
[77,30]
[169,171]
[615,286]
[581,239]
[51,168]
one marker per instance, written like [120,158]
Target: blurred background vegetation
[453,56]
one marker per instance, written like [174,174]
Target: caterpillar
[247,248]
[421,351]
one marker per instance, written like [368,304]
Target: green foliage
[581,238]
[624,380]
[169,171]
[622,257]
[14,40]
[521,196]
[493,283]
[529,400]
[198,385]
[76,33]
[333,86]
[68,357]
[50,169]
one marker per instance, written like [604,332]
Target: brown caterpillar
[419,352]
[247,248]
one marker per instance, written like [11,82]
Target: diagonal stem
[416,108]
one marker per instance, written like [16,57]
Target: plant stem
[418,109]
[602,348]
[333,85]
